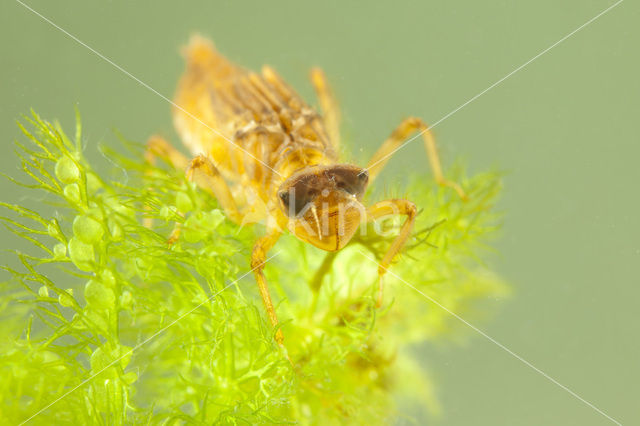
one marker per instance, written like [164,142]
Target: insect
[265,154]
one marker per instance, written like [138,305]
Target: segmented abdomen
[254,127]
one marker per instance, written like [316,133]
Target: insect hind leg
[399,135]
[328,104]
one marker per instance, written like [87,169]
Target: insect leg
[206,175]
[318,277]
[323,269]
[158,147]
[258,257]
[328,104]
[388,208]
[202,171]
[399,135]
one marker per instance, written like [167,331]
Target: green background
[565,128]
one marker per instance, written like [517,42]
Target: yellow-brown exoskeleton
[264,154]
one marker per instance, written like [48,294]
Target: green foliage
[111,325]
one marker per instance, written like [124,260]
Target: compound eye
[284,197]
[352,180]
[303,197]
[297,198]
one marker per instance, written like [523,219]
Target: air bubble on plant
[59,251]
[72,193]
[87,229]
[53,230]
[81,254]
[99,296]
[67,171]
[108,278]
[43,291]
[126,299]
[115,230]
[65,298]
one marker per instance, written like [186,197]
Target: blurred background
[564,129]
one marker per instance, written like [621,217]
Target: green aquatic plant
[104,323]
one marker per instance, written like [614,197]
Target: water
[563,128]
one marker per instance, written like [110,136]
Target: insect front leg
[399,135]
[328,104]
[388,208]
[202,171]
[258,258]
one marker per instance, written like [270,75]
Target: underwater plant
[104,323]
